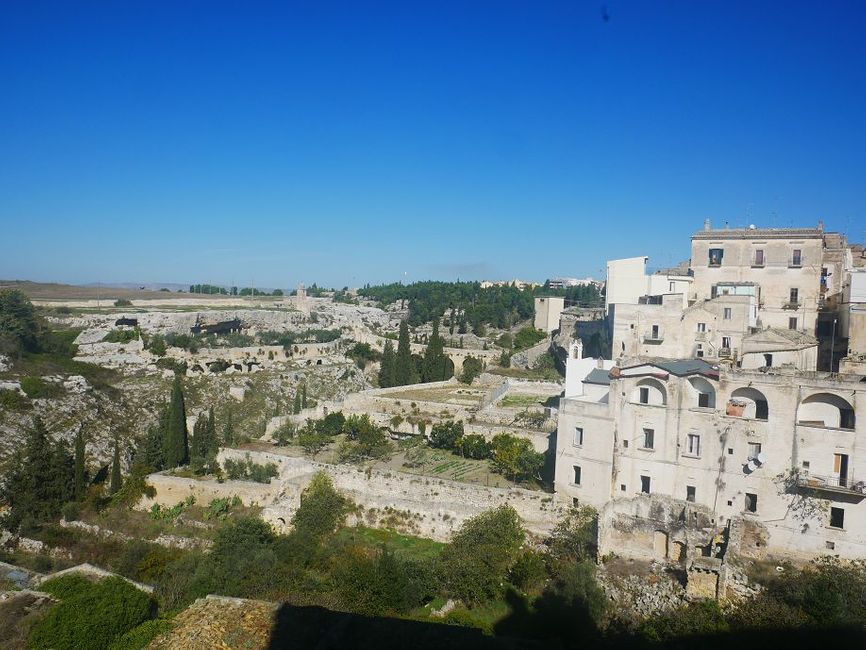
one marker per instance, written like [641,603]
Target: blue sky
[356,142]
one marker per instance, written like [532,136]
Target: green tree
[515,457]
[322,509]
[116,480]
[435,365]
[304,395]
[19,325]
[296,407]
[404,366]
[176,437]
[387,370]
[157,345]
[80,471]
[471,369]
[477,560]
[228,429]
[446,435]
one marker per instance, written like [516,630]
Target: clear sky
[344,143]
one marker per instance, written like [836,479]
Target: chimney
[707,224]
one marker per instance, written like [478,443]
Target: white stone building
[547,313]
[680,454]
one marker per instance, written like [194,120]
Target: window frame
[576,437]
[693,445]
[648,435]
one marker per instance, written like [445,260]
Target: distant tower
[301,302]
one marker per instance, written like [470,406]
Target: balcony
[653,337]
[700,336]
[832,484]
[791,305]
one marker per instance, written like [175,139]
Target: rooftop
[759,233]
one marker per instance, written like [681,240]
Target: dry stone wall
[420,505]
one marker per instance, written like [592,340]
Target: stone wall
[419,505]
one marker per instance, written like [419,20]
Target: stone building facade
[773,454]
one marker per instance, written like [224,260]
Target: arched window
[649,391]
[703,392]
[826,410]
[748,402]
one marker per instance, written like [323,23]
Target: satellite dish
[752,465]
[761,458]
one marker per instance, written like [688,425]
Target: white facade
[777,452]
[547,313]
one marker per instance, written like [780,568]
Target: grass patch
[417,547]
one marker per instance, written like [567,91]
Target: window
[644,395]
[726,314]
[575,502]
[655,332]
[702,327]
[622,487]
[751,502]
[671,285]
[792,323]
[699,353]
[649,438]
[797,257]
[754,449]
[578,436]
[576,469]
[645,484]
[806,464]
[690,493]
[837,518]
[726,342]
[693,444]
[759,257]
[625,443]
[768,360]
[704,400]
[716,255]
[846,418]
[795,296]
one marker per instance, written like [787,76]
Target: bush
[247,470]
[121,336]
[529,571]
[476,563]
[93,616]
[66,586]
[157,345]
[475,446]
[37,388]
[695,619]
[167,363]
[446,435]
[12,400]
[322,508]
[515,457]
[471,369]
[527,337]
[139,637]
[122,302]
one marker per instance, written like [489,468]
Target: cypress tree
[304,395]
[296,407]
[404,367]
[176,437]
[229,430]
[198,442]
[387,369]
[434,367]
[212,442]
[80,479]
[116,481]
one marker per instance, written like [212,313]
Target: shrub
[121,336]
[322,508]
[475,564]
[92,617]
[475,446]
[37,388]
[122,302]
[515,457]
[574,538]
[12,400]
[529,571]
[157,346]
[471,369]
[139,637]
[247,470]
[446,435]
[167,363]
[66,586]
[695,619]
[527,337]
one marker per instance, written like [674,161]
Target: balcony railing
[700,336]
[840,484]
[653,337]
